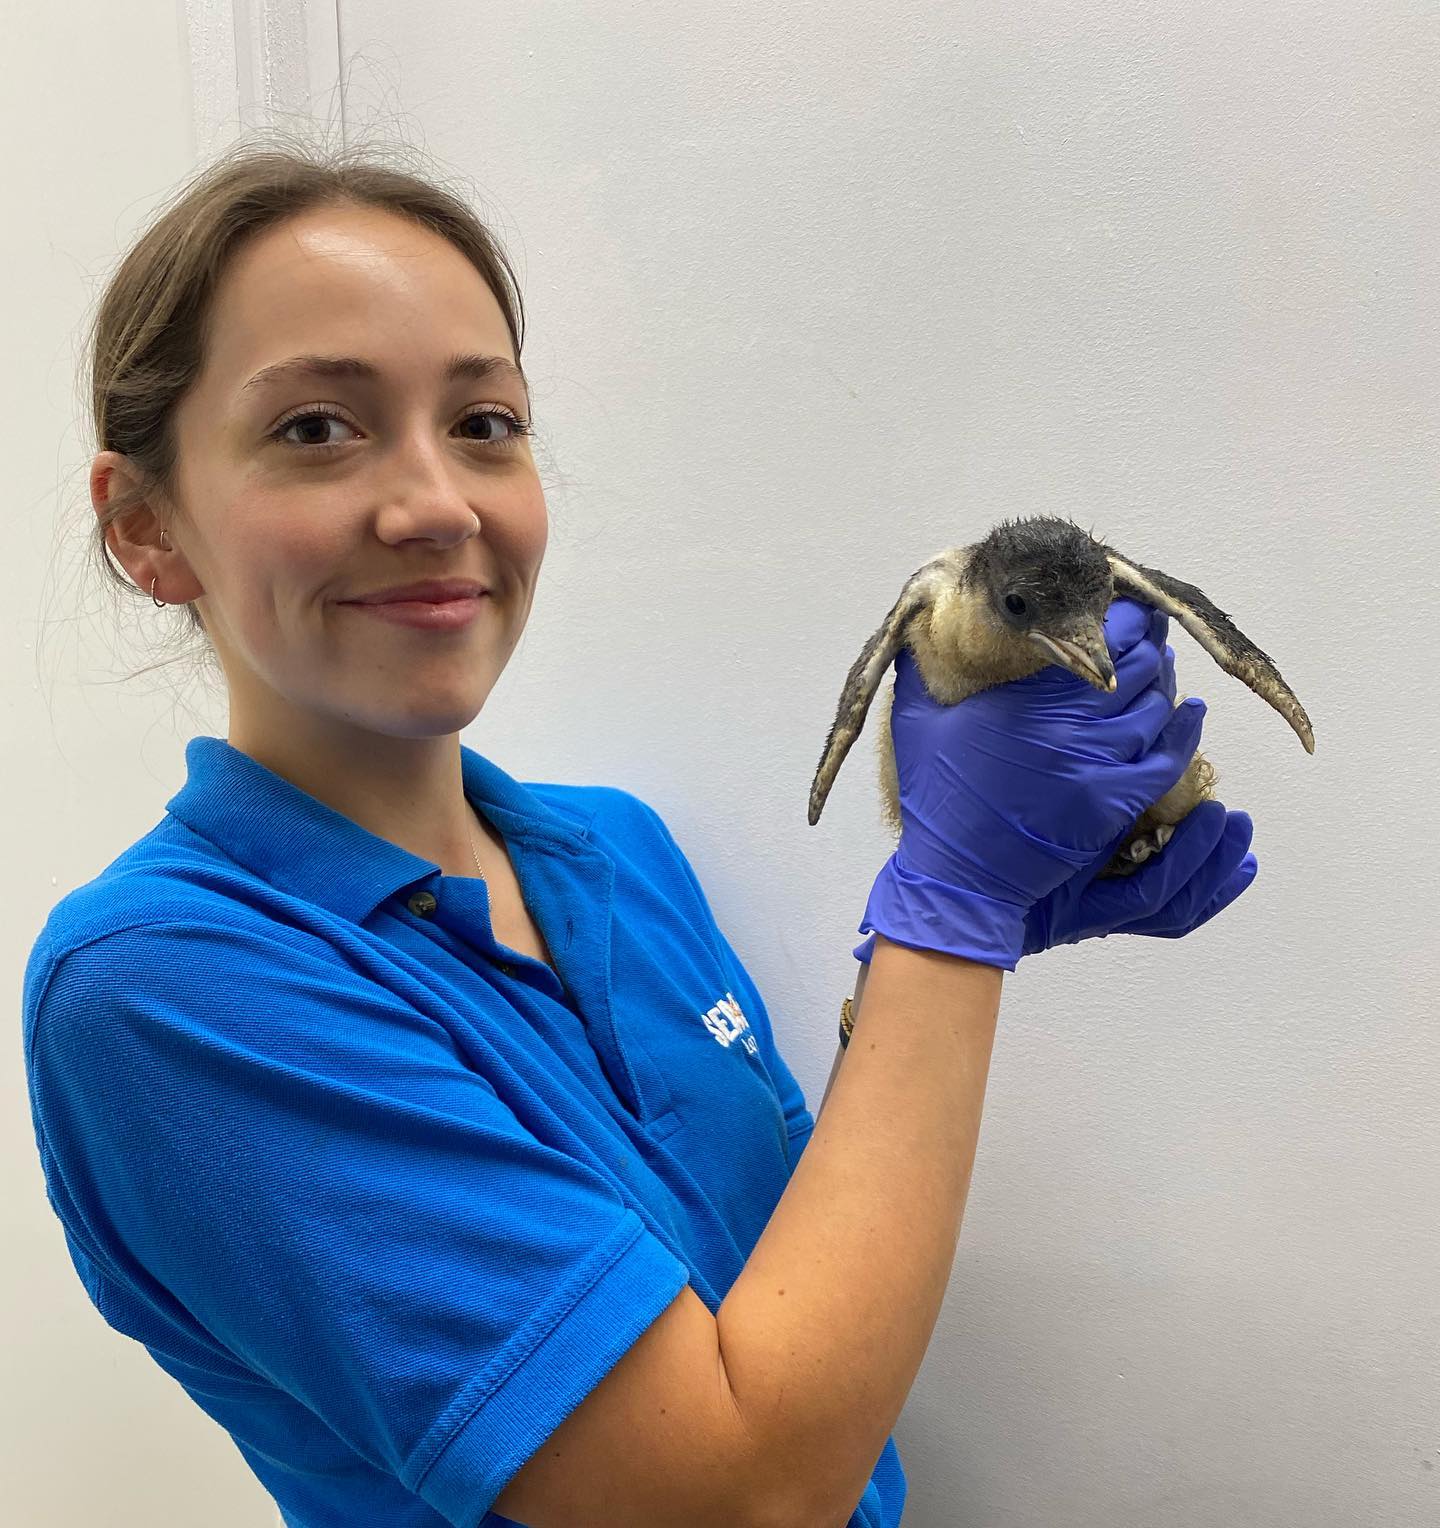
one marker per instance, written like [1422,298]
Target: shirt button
[422,904]
[507,968]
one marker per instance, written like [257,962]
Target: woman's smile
[428,615]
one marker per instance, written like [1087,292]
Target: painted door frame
[254,63]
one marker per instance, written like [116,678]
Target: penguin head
[1049,583]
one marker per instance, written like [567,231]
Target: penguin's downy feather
[940,616]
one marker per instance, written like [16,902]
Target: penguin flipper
[869,669]
[1215,632]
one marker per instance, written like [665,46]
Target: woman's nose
[428,492]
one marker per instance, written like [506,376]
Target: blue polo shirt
[386,1197]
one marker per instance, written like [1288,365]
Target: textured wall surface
[813,291]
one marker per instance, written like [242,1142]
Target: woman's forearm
[826,1326]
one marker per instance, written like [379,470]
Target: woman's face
[287,513]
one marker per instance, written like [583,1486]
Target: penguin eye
[1014,604]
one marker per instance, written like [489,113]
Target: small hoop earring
[159,604]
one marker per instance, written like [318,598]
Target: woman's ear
[134,535]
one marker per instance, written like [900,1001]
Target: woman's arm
[824,1329]
[773,1412]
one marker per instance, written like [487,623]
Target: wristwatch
[847,1020]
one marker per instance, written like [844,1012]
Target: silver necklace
[473,854]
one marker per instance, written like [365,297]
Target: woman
[421,1122]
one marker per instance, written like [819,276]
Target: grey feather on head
[1044,572]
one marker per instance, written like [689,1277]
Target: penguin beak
[1085,655]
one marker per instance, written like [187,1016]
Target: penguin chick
[1032,593]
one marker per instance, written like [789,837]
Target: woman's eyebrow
[472,367]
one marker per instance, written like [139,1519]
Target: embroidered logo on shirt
[727,1023]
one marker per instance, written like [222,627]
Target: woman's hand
[1015,790]
[1201,871]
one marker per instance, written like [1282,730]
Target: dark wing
[868,670]
[1215,632]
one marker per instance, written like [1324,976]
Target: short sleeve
[798,1120]
[308,1166]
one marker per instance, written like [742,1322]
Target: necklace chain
[473,854]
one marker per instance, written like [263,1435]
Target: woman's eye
[318,421]
[311,421]
[514,427]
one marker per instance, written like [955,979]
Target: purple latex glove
[1017,789]
[1202,870]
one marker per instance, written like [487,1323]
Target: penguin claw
[1135,851]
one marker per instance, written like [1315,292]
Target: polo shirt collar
[299,845]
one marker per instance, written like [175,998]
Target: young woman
[420,1122]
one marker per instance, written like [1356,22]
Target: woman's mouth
[426,615]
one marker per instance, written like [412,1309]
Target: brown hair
[146,343]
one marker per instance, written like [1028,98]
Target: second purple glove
[1014,792]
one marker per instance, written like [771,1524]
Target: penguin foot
[1135,851]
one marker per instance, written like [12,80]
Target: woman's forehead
[364,286]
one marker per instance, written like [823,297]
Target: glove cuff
[926,914]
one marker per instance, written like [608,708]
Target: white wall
[97,117]
[815,290]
